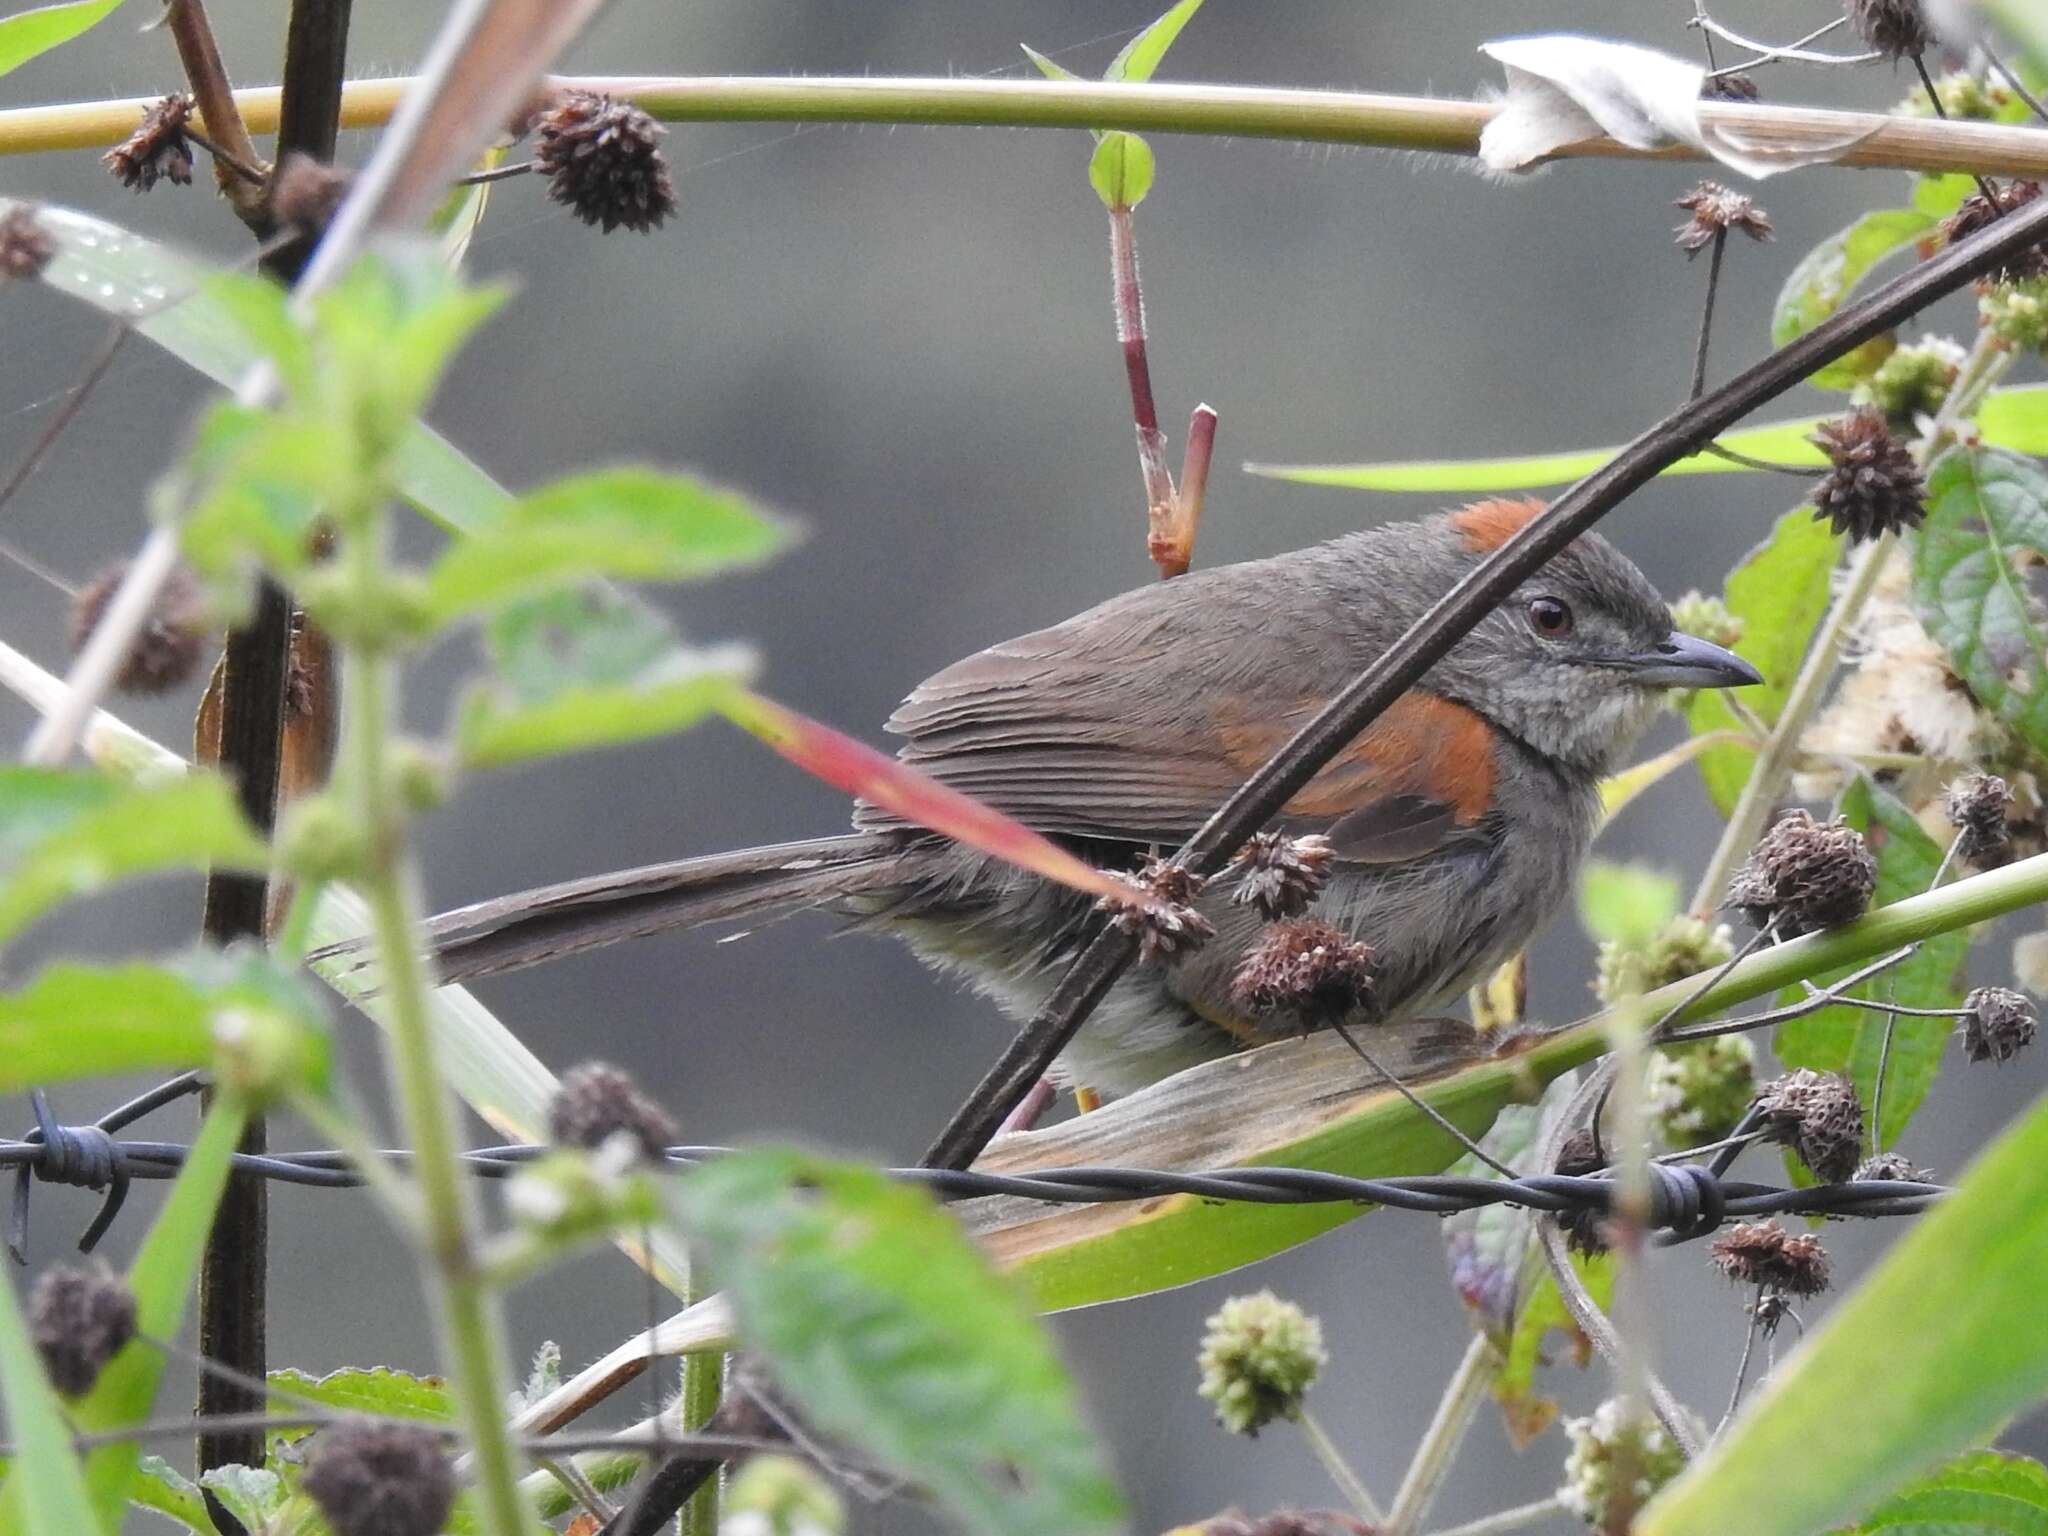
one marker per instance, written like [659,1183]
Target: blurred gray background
[903,338]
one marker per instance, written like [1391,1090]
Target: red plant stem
[1130,335]
[1176,550]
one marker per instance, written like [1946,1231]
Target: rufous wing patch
[1486,525]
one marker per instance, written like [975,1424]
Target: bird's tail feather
[528,927]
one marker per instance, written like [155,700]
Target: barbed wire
[1688,1200]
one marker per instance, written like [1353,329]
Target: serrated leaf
[1121,169]
[904,791]
[162,1489]
[1829,273]
[1138,58]
[164,1276]
[28,33]
[2014,418]
[883,1321]
[1981,1494]
[1850,1040]
[578,670]
[630,523]
[1780,591]
[375,1390]
[251,1494]
[1953,1312]
[74,1021]
[1543,1321]
[253,490]
[67,833]
[1975,568]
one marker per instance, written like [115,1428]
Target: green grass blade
[28,33]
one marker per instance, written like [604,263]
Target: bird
[1454,825]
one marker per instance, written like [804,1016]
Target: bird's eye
[1550,618]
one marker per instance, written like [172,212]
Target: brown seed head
[170,643]
[157,148]
[1892,1165]
[1895,28]
[1306,968]
[1976,808]
[597,1101]
[1806,875]
[1715,210]
[380,1478]
[1585,1231]
[1999,1024]
[304,192]
[603,159]
[1165,921]
[1977,212]
[1817,1115]
[1872,486]
[25,246]
[1280,875]
[1763,1253]
[79,1318]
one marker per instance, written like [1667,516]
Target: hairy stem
[1348,1482]
[1518,1518]
[1455,1410]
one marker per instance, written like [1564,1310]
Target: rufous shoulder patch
[1486,525]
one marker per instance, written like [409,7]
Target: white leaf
[1563,89]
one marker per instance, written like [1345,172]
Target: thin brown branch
[1174,547]
[208,78]
[1128,295]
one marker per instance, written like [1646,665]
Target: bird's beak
[1686,661]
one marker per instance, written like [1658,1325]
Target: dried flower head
[1762,1253]
[1892,1165]
[304,192]
[1913,381]
[380,1478]
[1977,212]
[597,1101]
[1615,1443]
[1585,1230]
[1998,1024]
[1715,210]
[1805,875]
[1976,807]
[1872,486]
[1281,875]
[25,246]
[79,1318]
[171,641]
[1306,968]
[1895,28]
[1817,1115]
[1695,1091]
[1260,1355]
[603,159]
[1734,86]
[1707,617]
[157,148]
[1164,917]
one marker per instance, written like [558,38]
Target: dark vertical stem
[1934,101]
[1699,356]
[233,1322]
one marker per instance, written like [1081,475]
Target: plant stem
[200,55]
[473,1342]
[1307,116]
[1507,1520]
[702,1377]
[1455,1410]
[1348,1482]
[1699,352]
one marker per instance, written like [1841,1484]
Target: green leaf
[1938,1347]
[577,670]
[67,833]
[1850,1040]
[253,491]
[880,1317]
[1626,904]
[1121,169]
[1975,566]
[44,1494]
[1141,55]
[75,1021]
[1780,591]
[1529,1410]
[368,1389]
[1940,196]
[162,1489]
[163,1276]
[1827,275]
[165,296]
[28,33]
[1046,66]
[252,1494]
[633,524]
[1981,1494]
[2014,418]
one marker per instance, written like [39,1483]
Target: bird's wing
[1096,729]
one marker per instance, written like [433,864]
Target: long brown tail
[527,927]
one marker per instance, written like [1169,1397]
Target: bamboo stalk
[1438,126]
